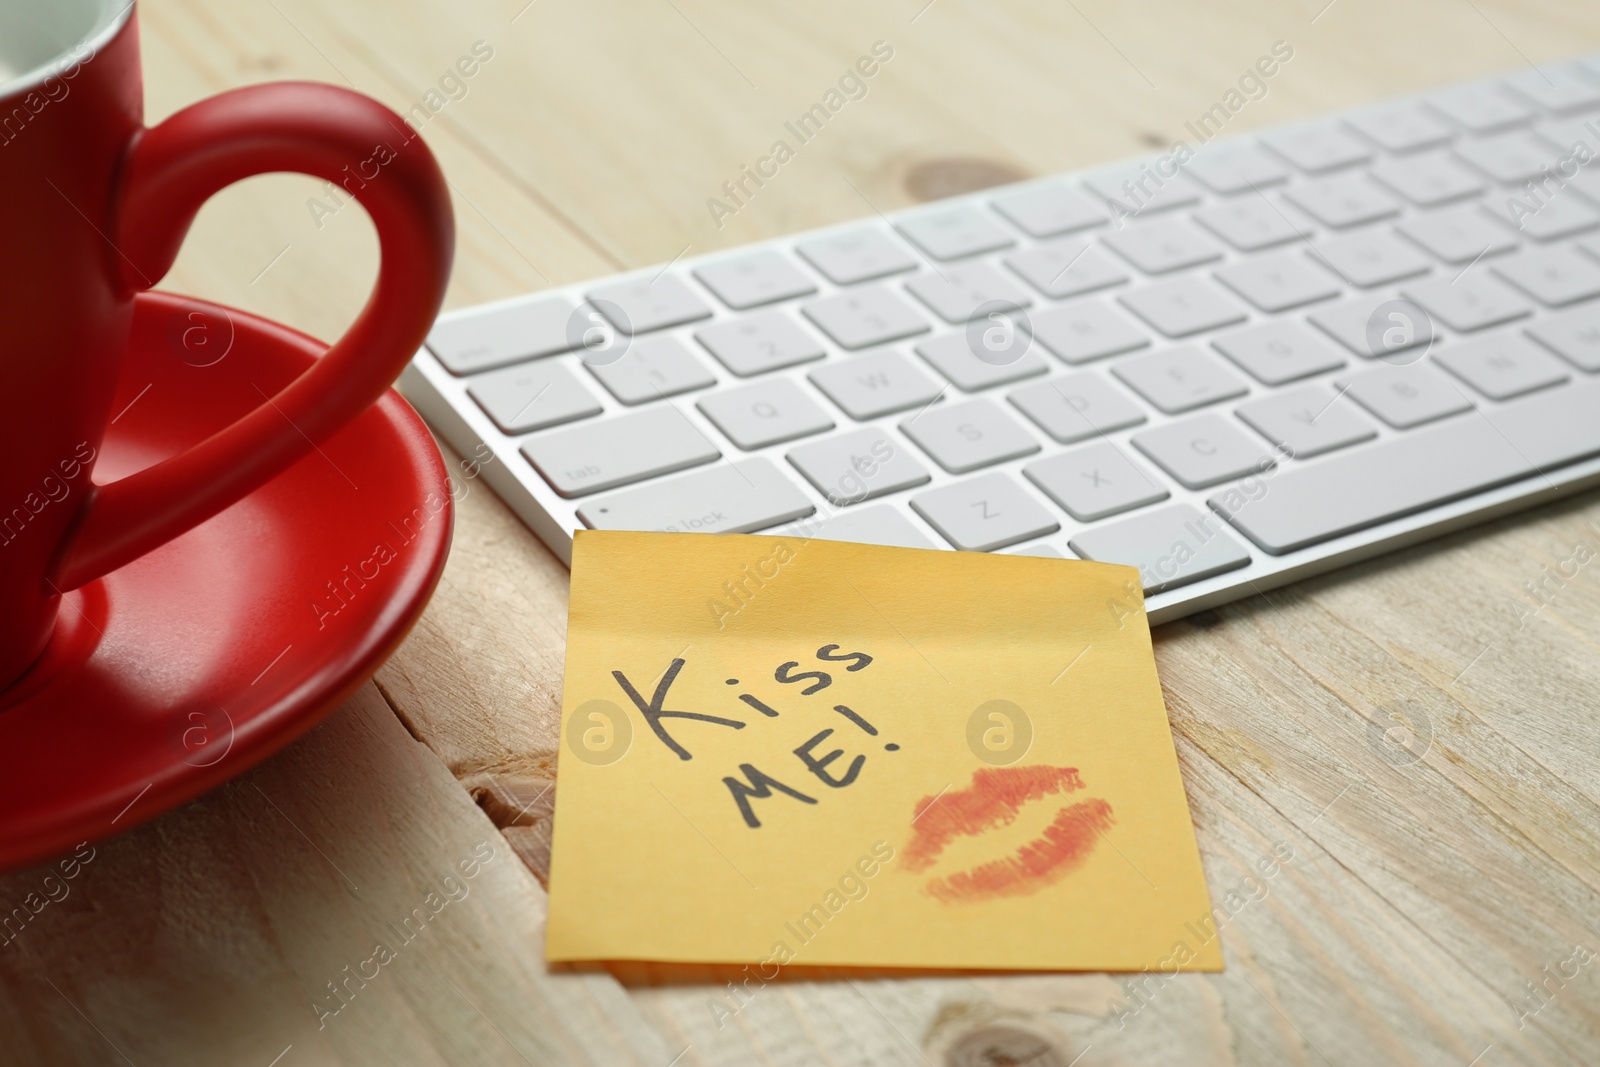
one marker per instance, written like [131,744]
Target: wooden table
[1417,738]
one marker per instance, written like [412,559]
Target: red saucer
[195,662]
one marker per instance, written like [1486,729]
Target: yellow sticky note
[786,751]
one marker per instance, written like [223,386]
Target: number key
[1371,258]
[650,370]
[958,292]
[1428,180]
[756,343]
[1163,246]
[1343,200]
[1067,267]
[863,317]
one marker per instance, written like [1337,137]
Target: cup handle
[171,170]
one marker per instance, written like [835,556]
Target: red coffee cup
[93,208]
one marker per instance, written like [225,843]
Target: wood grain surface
[1414,739]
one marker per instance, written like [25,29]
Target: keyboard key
[1249,223]
[952,233]
[754,279]
[644,304]
[1403,126]
[651,369]
[1375,257]
[1171,546]
[952,356]
[1511,158]
[1183,306]
[729,498]
[1428,180]
[619,450]
[1586,183]
[1279,282]
[1377,326]
[1343,200]
[856,256]
[765,413]
[1140,189]
[1164,245]
[483,340]
[957,292]
[1459,234]
[881,524]
[851,467]
[1413,472]
[532,397]
[1095,482]
[1406,396]
[1559,216]
[1502,366]
[1307,421]
[877,384]
[1568,133]
[1559,89]
[985,513]
[754,344]
[999,333]
[595,340]
[1471,302]
[1085,330]
[1051,210]
[1480,108]
[1553,276]
[1318,148]
[974,433]
[1036,550]
[1067,267]
[1205,450]
[1572,335]
[1180,379]
[1235,168]
[1279,351]
[867,316]
[1076,406]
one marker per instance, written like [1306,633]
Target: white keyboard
[1290,351]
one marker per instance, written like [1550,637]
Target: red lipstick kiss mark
[991,802]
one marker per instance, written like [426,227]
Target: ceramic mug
[93,208]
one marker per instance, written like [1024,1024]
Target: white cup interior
[38,37]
